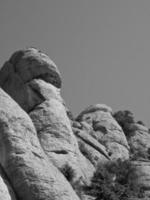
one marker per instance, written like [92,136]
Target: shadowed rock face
[23,67]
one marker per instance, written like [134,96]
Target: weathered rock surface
[106,130]
[143,175]
[139,141]
[55,133]
[91,153]
[47,154]
[26,165]
[39,95]
[90,141]
[88,145]
[22,67]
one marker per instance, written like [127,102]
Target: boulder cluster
[46,154]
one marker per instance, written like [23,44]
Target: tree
[115,181]
[125,119]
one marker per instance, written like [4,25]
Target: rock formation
[45,153]
[106,130]
[23,159]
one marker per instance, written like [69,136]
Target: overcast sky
[102,47]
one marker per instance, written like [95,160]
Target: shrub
[125,119]
[68,172]
[114,181]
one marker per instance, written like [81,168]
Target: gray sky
[102,47]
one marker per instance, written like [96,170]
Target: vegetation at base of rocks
[78,185]
[68,172]
[115,181]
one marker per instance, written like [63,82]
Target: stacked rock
[34,82]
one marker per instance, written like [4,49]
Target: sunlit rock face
[34,82]
[23,159]
[55,132]
[106,130]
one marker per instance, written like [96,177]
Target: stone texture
[88,145]
[25,163]
[23,67]
[92,109]
[106,130]
[91,153]
[37,146]
[38,93]
[139,141]
[55,132]
[143,175]
[88,139]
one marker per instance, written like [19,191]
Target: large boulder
[30,172]
[38,93]
[20,69]
[106,130]
[55,132]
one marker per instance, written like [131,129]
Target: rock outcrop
[39,95]
[139,142]
[45,153]
[25,163]
[106,130]
[55,133]
[89,146]
[20,69]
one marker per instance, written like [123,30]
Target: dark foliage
[68,172]
[115,181]
[125,119]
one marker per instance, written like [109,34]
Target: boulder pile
[44,153]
